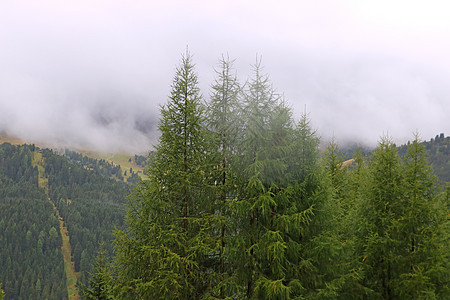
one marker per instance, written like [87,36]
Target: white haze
[92,74]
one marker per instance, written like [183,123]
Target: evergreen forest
[31,263]
[238,201]
[35,184]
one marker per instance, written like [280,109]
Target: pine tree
[100,282]
[170,248]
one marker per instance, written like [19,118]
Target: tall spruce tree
[169,249]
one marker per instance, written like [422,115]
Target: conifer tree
[100,282]
[276,214]
[312,201]
[379,210]
[305,150]
[342,277]
[333,163]
[280,189]
[424,263]
[169,249]
[255,201]
[223,120]
[401,228]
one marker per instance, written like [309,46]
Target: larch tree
[379,210]
[311,206]
[223,120]
[343,278]
[402,231]
[333,163]
[101,281]
[170,246]
[280,188]
[424,269]
[255,199]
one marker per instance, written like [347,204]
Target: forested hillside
[107,168]
[438,150]
[91,205]
[238,203]
[31,263]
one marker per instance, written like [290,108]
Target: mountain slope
[437,149]
[90,204]
[31,264]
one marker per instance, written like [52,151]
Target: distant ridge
[124,160]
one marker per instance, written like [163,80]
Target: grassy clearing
[11,140]
[348,162]
[125,161]
[69,267]
[17,141]
[38,162]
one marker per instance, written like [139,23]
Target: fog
[93,74]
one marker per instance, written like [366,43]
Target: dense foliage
[237,203]
[240,204]
[90,204]
[402,239]
[100,281]
[31,263]
[438,152]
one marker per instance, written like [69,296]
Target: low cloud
[93,75]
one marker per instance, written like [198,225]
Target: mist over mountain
[92,75]
[113,124]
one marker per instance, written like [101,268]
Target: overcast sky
[93,73]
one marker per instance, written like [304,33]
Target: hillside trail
[69,267]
